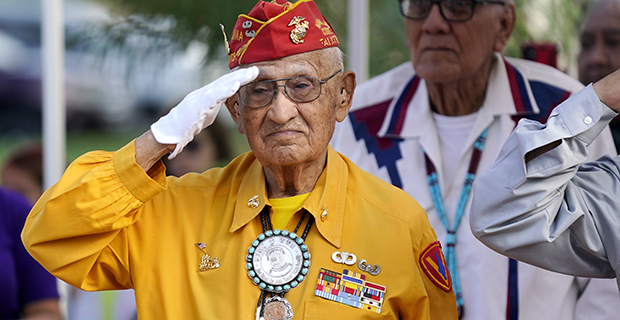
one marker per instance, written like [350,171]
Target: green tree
[173,25]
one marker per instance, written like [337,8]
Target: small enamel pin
[324,213]
[206,262]
[254,202]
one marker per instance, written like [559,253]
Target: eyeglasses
[451,10]
[299,89]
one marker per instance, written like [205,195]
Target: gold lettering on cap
[329,41]
[324,27]
[237,35]
[233,56]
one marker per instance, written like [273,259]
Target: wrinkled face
[445,51]
[285,132]
[600,42]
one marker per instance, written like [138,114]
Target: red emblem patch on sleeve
[435,266]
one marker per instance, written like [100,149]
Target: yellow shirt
[284,208]
[109,225]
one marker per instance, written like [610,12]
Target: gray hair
[336,56]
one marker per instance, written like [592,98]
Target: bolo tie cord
[266,222]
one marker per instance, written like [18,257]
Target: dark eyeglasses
[299,89]
[451,10]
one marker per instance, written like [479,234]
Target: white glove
[198,109]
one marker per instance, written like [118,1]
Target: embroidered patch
[435,266]
[350,288]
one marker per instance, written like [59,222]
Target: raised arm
[539,204]
[80,229]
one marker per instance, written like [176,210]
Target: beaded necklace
[433,183]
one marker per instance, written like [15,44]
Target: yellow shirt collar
[329,193]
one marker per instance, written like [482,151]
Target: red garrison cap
[278,29]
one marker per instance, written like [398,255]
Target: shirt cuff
[137,181]
[583,116]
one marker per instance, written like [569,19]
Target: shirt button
[587,120]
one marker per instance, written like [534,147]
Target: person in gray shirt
[541,204]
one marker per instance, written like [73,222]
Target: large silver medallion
[278,261]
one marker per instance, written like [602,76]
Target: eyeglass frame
[275,89]
[474,3]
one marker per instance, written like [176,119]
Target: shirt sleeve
[552,211]
[99,196]
[441,298]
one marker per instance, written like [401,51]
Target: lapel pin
[206,262]
[254,202]
[324,213]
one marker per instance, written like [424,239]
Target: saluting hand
[198,109]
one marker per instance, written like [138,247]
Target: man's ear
[232,104]
[507,20]
[347,87]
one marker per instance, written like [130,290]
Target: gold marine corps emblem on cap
[299,31]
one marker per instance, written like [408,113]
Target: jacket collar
[508,92]
[327,196]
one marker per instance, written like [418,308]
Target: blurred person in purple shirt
[27,291]
[22,171]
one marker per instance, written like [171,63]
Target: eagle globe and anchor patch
[435,266]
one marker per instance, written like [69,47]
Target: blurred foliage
[159,26]
[192,19]
[520,34]
[157,22]
[554,21]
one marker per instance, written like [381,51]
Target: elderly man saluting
[429,126]
[290,229]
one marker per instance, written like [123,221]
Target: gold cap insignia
[299,31]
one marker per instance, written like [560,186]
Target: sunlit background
[128,61]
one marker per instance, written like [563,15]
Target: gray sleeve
[552,212]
